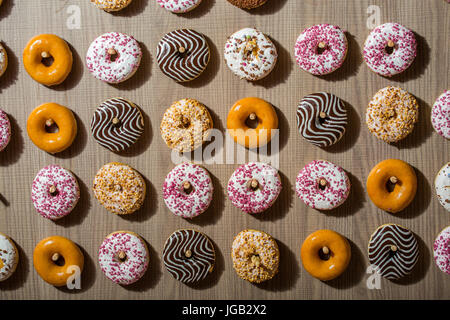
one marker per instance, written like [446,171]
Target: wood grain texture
[289,221]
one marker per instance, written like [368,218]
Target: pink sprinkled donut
[390,49]
[113,57]
[321,49]
[440,115]
[254,187]
[123,257]
[54,192]
[322,185]
[5,130]
[179,6]
[188,190]
[441,250]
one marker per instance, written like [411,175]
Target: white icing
[442,186]
[8,257]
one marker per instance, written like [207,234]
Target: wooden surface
[289,221]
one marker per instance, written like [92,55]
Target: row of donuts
[189,255]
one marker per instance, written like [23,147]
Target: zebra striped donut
[189,255]
[393,250]
[321,118]
[183,54]
[117,124]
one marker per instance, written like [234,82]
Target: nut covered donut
[250,54]
[391,114]
[442,186]
[440,115]
[56,259]
[54,192]
[321,49]
[123,257]
[322,185]
[47,59]
[321,119]
[41,121]
[392,185]
[3,60]
[254,187]
[179,6]
[111,5]
[255,256]
[183,54]
[325,254]
[5,130]
[119,188]
[390,49]
[9,257]
[186,125]
[246,112]
[113,57]
[441,250]
[188,190]
[393,250]
[189,255]
[117,124]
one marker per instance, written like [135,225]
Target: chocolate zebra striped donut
[321,118]
[189,255]
[393,250]
[117,124]
[183,54]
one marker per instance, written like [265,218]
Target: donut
[117,124]
[54,259]
[250,54]
[441,250]
[3,60]
[246,112]
[111,5]
[188,190]
[41,121]
[254,187]
[255,256]
[322,185]
[189,255]
[183,54]
[113,57]
[391,114]
[247,4]
[186,125]
[393,250]
[321,119]
[321,49]
[5,130]
[54,192]
[325,254]
[47,59]
[179,6]
[119,188]
[440,115]
[392,185]
[9,257]
[390,49]
[442,186]
[123,257]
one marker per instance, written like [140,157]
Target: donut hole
[389,50]
[252,123]
[51,127]
[321,48]
[390,186]
[113,55]
[47,61]
[324,256]
[322,184]
[322,119]
[60,261]
[187,188]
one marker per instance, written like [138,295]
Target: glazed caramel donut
[47,59]
[261,113]
[45,116]
[325,254]
[392,185]
[54,259]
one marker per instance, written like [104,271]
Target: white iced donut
[250,54]
[179,6]
[441,250]
[5,130]
[254,187]
[188,190]
[442,186]
[54,192]
[123,257]
[322,185]
[440,115]
[113,57]
[390,49]
[9,257]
